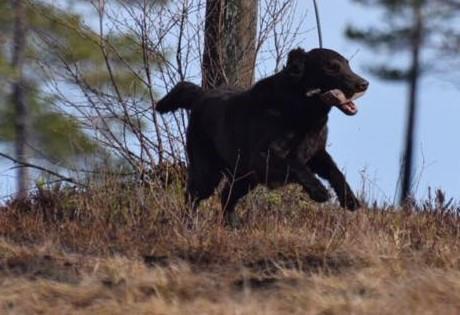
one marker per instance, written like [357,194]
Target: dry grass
[123,249]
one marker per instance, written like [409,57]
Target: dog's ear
[296,63]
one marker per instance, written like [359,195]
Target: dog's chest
[310,145]
[299,146]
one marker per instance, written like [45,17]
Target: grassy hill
[121,249]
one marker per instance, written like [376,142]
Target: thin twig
[41,168]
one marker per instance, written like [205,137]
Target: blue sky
[368,146]
[371,141]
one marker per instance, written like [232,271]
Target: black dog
[274,133]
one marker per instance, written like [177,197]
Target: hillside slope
[119,250]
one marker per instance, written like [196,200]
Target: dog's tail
[183,95]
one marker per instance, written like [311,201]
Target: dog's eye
[334,66]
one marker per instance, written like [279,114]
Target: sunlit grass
[133,249]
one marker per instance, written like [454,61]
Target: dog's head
[326,73]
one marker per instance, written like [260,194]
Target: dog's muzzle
[337,98]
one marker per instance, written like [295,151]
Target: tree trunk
[230,43]
[18,97]
[407,171]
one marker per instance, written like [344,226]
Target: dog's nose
[362,86]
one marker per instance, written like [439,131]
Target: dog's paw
[350,202]
[319,194]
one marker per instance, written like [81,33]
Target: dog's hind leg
[200,185]
[231,193]
[204,171]
[199,189]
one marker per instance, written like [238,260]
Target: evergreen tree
[29,117]
[410,27]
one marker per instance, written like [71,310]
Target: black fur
[182,95]
[271,134]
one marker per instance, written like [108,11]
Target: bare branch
[41,168]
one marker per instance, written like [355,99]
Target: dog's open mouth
[337,98]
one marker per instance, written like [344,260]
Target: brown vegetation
[126,249]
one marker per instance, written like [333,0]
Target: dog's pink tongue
[349,108]
[337,98]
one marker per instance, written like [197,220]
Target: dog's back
[233,121]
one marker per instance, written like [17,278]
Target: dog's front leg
[323,164]
[308,180]
[286,159]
